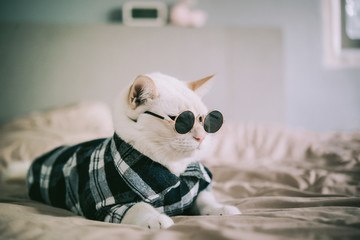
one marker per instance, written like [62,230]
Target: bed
[288,183]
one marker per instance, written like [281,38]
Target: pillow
[271,145]
[27,137]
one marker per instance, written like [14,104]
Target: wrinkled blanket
[287,183]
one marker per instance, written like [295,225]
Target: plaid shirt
[102,179]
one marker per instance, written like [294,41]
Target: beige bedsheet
[288,184]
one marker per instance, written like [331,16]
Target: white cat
[149,170]
[157,139]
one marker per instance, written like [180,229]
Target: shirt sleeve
[113,214]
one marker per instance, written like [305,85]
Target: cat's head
[165,96]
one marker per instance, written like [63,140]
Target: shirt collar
[152,177]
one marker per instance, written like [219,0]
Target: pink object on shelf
[182,15]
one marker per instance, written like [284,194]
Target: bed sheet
[287,183]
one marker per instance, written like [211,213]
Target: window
[341,25]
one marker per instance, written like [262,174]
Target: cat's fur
[166,96]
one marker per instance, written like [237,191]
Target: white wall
[316,98]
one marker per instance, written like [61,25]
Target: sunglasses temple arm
[158,116]
[155,115]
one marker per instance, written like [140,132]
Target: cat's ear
[202,86]
[141,90]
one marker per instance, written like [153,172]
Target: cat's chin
[180,153]
[195,153]
[184,152]
[186,148]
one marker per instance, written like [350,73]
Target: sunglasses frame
[196,118]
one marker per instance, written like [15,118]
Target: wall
[45,65]
[316,98]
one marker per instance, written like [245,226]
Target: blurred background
[286,62]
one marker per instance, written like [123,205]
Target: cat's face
[165,96]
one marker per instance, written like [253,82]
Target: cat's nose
[199,139]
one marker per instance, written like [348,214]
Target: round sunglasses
[184,121]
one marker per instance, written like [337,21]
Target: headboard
[45,65]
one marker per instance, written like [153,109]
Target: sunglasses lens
[184,122]
[213,122]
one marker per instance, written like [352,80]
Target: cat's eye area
[213,121]
[184,122]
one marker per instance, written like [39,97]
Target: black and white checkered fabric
[103,178]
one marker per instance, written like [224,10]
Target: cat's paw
[144,215]
[221,210]
[157,221]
